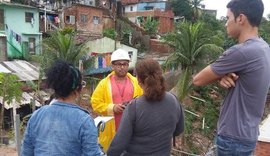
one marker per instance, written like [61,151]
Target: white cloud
[221,8]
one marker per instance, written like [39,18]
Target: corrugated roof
[23,69]
[2,35]
[26,99]
[92,71]
[265,130]
[17,5]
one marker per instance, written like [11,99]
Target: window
[2,24]
[70,19]
[96,20]
[83,18]
[29,17]
[131,8]
[32,45]
[124,9]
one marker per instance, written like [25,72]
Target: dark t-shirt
[243,106]
[147,127]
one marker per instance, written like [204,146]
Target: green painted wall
[18,31]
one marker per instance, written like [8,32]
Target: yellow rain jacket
[102,103]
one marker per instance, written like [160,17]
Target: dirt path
[7,151]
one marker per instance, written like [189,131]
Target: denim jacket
[60,129]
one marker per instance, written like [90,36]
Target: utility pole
[115,24]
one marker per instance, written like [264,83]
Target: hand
[118,108]
[228,80]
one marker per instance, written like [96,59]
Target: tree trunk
[2,115]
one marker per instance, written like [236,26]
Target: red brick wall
[160,47]
[262,149]
[165,25]
[88,26]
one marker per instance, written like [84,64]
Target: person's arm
[228,80]
[89,138]
[205,77]
[98,100]
[27,148]
[124,133]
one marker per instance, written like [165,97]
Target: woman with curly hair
[150,121]
[62,128]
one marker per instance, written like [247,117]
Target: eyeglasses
[119,65]
[83,84]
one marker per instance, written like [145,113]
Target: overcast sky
[220,6]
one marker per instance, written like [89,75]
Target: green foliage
[264,30]
[195,4]
[193,48]
[151,25]
[182,8]
[126,32]
[212,24]
[184,84]
[67,30]
[213,96]
[62,45]
[110,33]
[229,42]
[189,120]
[10,89]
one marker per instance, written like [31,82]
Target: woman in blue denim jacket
[62,128]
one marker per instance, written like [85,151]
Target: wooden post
[18,134]
[16,119]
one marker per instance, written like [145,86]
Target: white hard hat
[120,54]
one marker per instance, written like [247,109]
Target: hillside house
[20,25]
[84,19]
[137,12]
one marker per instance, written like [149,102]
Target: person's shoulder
[37,112]
[173,97]
[82,111]
[133,78]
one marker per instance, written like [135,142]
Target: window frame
[29,16]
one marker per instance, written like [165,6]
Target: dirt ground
[7,151]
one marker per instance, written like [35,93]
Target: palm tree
[61,45]
[194,47]
[195,5]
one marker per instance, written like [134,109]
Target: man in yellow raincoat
[113,92]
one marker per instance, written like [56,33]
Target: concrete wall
[155,5]
[107,45]
[3,48]
[128,8]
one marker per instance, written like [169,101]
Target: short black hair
[253,9]
[63,78]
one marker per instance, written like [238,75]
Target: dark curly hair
[149,73]
[63,78]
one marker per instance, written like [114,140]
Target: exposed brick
[89,26]
[262,149]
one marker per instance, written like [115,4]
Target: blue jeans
[233,147]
